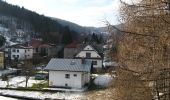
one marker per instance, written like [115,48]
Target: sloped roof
[74,65]
[97,47]
[35,43]
[45,46]
[20,46]
[72,45]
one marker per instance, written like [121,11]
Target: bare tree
[27,70]
[143,50]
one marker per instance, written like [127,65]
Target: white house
[70,73]
[90,53]
[20,52]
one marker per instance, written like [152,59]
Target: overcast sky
[82,12]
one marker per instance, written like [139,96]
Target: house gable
[88,50]
[83,54]
[88,47]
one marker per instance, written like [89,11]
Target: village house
[95,55]
[35,43]
[71,50]
[19,52]
[92,52]
[49,50]
[42,49]
[69,73]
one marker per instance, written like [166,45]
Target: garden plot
[19,81]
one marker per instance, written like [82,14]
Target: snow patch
[43,95]
[103,80]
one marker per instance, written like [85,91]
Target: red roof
[72,45]
[45,46]
[35,43]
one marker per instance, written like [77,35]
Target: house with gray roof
[69,73]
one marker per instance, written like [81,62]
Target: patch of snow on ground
[6,98]
[19,81]
[10,42]
[103,80]
[43,95]
[3,29]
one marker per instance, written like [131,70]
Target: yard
[19,81]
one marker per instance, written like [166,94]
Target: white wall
[88,47]
[57,78]
[94,54]
[95,57]
[99,63]
[26,53]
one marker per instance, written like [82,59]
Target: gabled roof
[38,43]
[45,46]
[98,48]
[35,43]
[74,65]
[72,45]
[20,46]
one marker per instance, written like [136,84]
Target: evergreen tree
[2,40]
[67,37]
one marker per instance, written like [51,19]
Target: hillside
[80,29]
[34,25]
[13,18]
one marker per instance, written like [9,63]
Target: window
[94,62]
[88,55]
[75,75]
[25,51]
[28,49]
[66,84]
[17,56]
[36,50]
[13,56]
[67,75]
[17,50]
[13,50]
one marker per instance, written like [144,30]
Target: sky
[82,12]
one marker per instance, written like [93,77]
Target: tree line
[48,29]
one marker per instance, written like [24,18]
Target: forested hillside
[14,17]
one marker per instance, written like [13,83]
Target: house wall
[94,54]
[94,57]
[52,52]
[99,63]
[21,54]
[85,78]
[70,52]
[88,47]
[57,78]
[35,50]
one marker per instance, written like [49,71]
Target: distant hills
[51,30]
[80,29]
